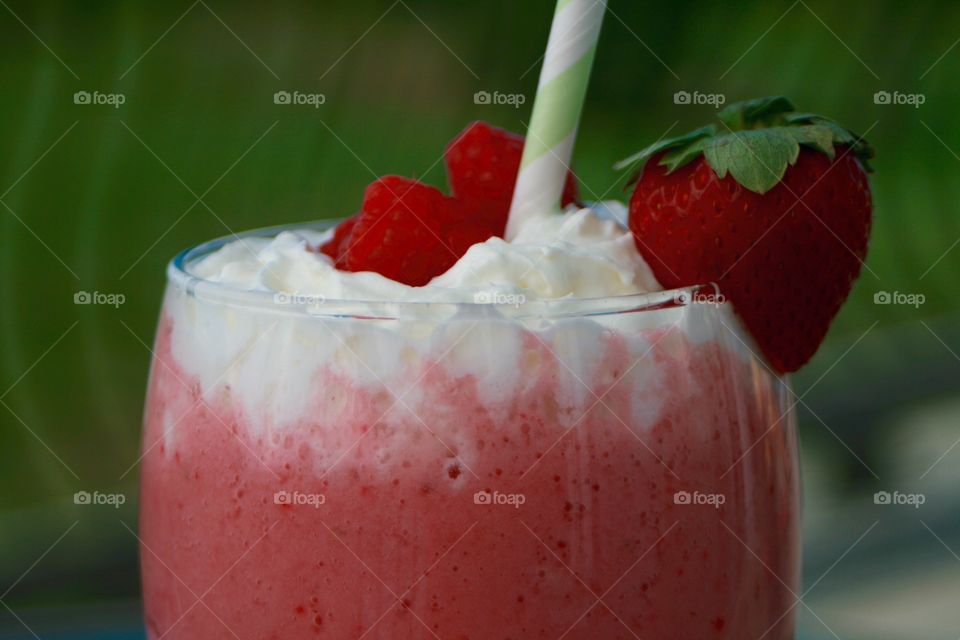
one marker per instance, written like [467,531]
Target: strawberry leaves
[756,159]
[756,113]
[640,158]
[755,141]
[816,136]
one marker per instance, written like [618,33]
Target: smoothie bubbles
[473,415]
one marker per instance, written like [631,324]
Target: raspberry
[409,232]
[482,165]
[338,244]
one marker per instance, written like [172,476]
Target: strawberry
[482,166]
[408,231]
[773,206]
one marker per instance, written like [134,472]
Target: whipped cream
[278,367]
[585,253]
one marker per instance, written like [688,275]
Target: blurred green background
[98,198]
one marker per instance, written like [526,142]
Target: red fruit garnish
[482,165]
[409,232]
[768,209]
[338,244]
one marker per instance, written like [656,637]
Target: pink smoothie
[587,538]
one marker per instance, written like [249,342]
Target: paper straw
[556,110]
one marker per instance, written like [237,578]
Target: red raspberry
[338,244]
[409,232]
[482,165]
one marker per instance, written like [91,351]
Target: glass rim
[178,275]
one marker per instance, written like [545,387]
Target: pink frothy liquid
[372,526]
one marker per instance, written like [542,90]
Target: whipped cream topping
[585,253]
[277,367]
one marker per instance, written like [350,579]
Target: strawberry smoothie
[575,458]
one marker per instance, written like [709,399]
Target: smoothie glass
[608,468]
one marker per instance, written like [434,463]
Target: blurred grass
[201,101]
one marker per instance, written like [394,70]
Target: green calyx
[753,141]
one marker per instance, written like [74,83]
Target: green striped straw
[556,110]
